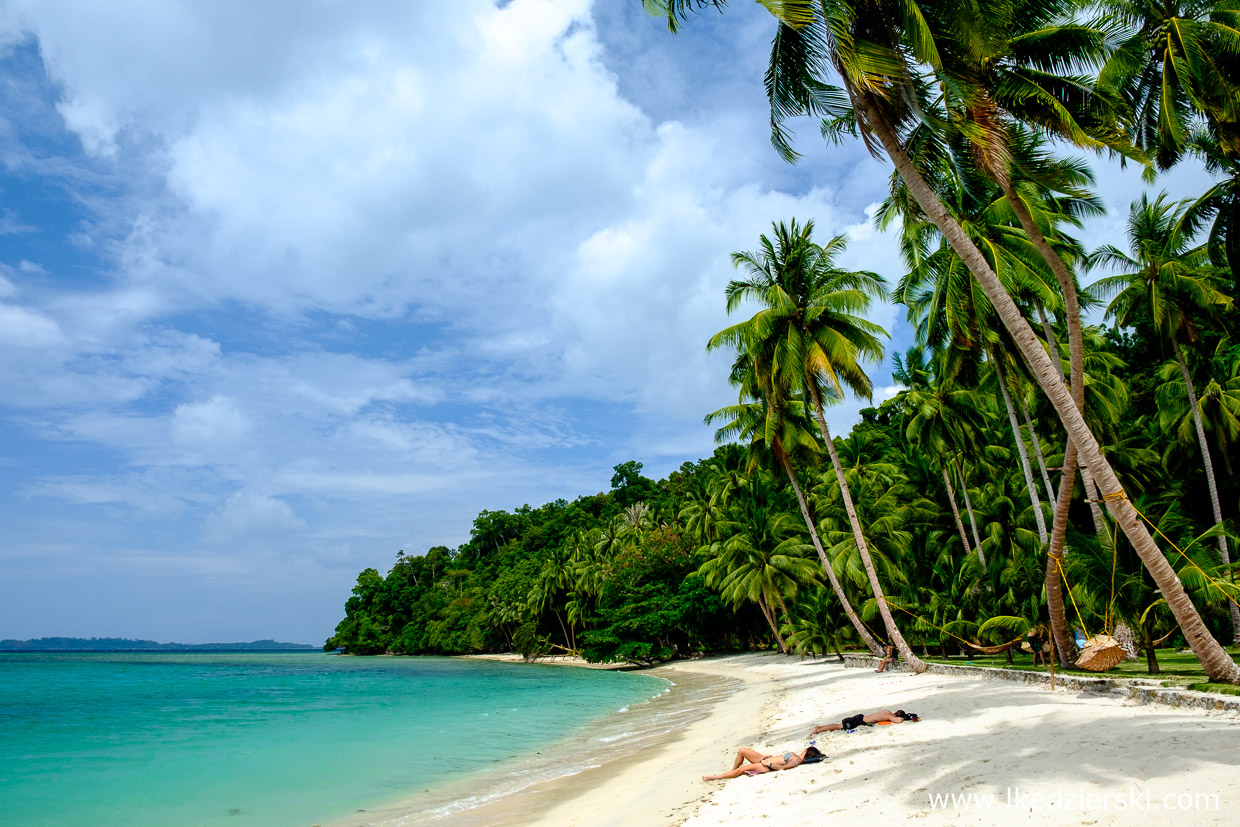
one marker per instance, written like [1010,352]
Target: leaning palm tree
[807,339]
[874,48]
[1166,282]
[775,435]
[1218,408]
[759,560]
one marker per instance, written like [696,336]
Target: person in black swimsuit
[882,716]
[752,762]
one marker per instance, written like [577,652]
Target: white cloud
[11,224]
[210,425]
[381,267]
[23,328]
[252,517]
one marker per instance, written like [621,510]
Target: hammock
[1101,652]
[994,650]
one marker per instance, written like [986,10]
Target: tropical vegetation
[1033,470]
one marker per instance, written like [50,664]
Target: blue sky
[286,287]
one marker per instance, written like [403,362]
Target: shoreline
[649,787]
[1002,749]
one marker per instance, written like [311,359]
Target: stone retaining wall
[1139,690]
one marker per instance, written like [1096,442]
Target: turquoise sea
[241,740]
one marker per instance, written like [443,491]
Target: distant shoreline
[181,651]
[117,645]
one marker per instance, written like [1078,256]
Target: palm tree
[942,419]
[1166,283]
[760,560]
[774,435]
[1039,193]
[1220,206]
[1218,408]
[555,579]
[808,339]
[872,49]
[1174,66]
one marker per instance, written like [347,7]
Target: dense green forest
[1032,472]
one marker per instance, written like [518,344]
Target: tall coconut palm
[808,339]
[775,433]
[872,49]
[939,292]
[1218,408]
[1039,192]
[1166,283]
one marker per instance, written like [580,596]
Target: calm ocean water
[258,740]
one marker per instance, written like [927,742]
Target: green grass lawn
[1177,668]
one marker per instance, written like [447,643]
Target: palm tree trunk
[1051,342]
[1095,510]
[1034,500]
[968,505]
[1065,641]
[1215,660]
[1209,466]
[893,631]
[769,614]
[1076,368]
[1037,450]
[563,629]
[862,632]
[951,498]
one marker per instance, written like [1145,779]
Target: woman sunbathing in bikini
[882,716]
[752,762]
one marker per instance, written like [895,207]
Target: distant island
[120,644]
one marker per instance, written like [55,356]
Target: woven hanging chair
[1101,652]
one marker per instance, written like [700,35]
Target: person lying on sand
[752,762]
[882,716]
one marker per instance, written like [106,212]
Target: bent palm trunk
[769,614]
[1034,500]
[1217,664]
[1076,369]
[968,505]
[1065,641]
[951,498]
[893,631]
[1037,450]
[836,586]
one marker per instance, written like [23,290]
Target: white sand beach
[1024,753]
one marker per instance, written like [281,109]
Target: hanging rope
[1121,495]
[1064,577]
[1106,623]
[867,626]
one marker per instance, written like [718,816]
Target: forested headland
[717,556]
[1034,472]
